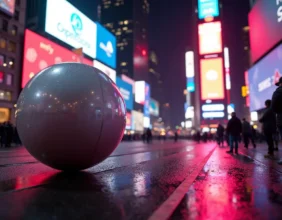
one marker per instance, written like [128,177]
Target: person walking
[277,104]
[247,133]
[149,136]
[268,121]
[234,129]
[175,136]
[220,135]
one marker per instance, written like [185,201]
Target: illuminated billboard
[128,120]
[140,92]
[265,20]
[7,6]
[126,92]
[210,40]
[190,71]
[105,69]
[129,81]
[69,25]
[262,78]
[189,64]
[212,81]
[147,100]
[40,53]
[106,46]
[208,8]
[227,69]
[137,121]
[154,107]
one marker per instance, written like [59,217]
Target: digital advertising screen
[7,6]
[147,100]
[210,40]
[140,92]
[106,46]
[189,64]
[265,21]
[69,25]
[190,84]
[40,53]
[126,92]
[105,69]
[208,8]
[129,80]
[137,121]
[128,120]
[154,107]
[262,78]
[212,81]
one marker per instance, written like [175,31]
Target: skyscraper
[128,21]
[12,25]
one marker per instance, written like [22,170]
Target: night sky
[170,35]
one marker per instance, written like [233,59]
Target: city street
[167,180]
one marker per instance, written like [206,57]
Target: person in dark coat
[277,105]
[268,121]
[175,136]
[234,129]
[247,133]
[220,134]
[149,135]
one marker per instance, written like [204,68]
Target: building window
[3,43]
[11,63]
[2,59]
[9,79]
[12,47]
[5,25]
[123,63]
[14,30]
[6,96]
[4,115]
[1,77]
[17,15]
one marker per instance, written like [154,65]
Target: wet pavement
[244,186]
[180,180]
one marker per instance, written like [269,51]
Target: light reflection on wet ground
[131,185]
[233,187]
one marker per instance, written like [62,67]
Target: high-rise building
[12,25]
[155,78]
[247,50]
[128,21]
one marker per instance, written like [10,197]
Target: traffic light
[144,52]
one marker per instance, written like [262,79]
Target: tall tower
[128,21]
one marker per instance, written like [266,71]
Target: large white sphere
[70,116]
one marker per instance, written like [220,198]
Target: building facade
[128,21]
[12,26]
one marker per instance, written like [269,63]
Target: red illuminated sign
[40,53]
[128,120]
[212,81]
[210,40]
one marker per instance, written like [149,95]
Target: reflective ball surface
[70,116]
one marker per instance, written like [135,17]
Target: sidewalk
[244,186]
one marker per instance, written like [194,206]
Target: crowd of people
[271,121]
[8,135]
